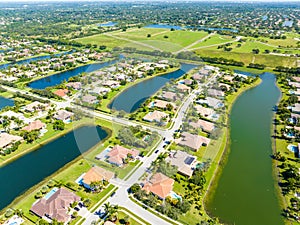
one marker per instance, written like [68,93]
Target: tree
[96,186]
[30,136]
[148,35]
[58,125]
[198,178]
[135,188]
[167,169]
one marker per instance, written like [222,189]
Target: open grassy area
[270,61]
[213,40]
[101,39]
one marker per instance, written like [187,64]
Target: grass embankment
[51,135]
[281,145]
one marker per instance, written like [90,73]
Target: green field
[101,39]
[269,60]
[214,40]
[175,40]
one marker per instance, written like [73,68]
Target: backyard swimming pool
[50,193]
[292,148]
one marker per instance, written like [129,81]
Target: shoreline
[40,144]
[66,166]
[223,154]
[275,171]
[136,83]
[66,70]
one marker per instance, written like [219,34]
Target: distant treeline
[257,66]
[30,98]
[8,83]
[45,93]
[60,42]
[283,69]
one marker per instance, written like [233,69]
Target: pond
[245,193]
[164,26]
[132,98]
[5,102]
[58,78]
[37,58]
[108,24]
[27,171]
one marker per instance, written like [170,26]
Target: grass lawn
[254,44]
[215,39]
[122,215]
[68,175]
[140,32]
[270,61]
[101,39]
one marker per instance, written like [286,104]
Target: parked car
[156,151]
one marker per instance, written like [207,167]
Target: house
[192,141]
[297,79]
[111,84]
[160,104]
[74,85]
[10,114]
[228,78]
[156,116]
[90,99]
[108,223]
[183,88]
[214,103]
[197,76]
[36,106]
[188,82]
[204,125]
[55,205]
[8,139]
[159,185]
[61,92]
[296,108]
[63,115]
[203,111]
[35,125]
[95,174]
[118,154]
[215,93]
[170,96]
[183,161]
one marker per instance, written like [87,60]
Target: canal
[132,98]
[245,193]
[58,78]
[27,171]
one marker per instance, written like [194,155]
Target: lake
[5,102]
[58,78]
[25,61]
[108,24]
[164,26]
[27,171]
[132,98]
[245,193]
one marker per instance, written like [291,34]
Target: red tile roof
[159,185]
[55,207]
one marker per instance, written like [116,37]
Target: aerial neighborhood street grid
[149,112]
